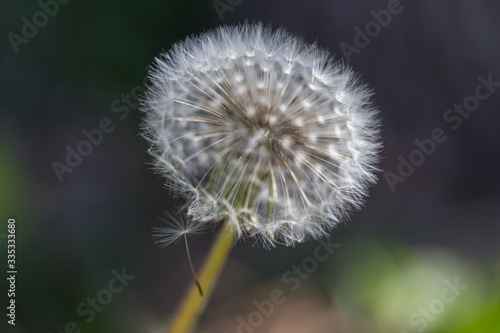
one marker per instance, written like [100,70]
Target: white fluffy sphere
[257,128]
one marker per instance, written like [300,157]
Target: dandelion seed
[261,130]
[175,228]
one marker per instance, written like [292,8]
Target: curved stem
[191,266]
[193,304]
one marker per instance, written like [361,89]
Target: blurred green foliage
[386,287]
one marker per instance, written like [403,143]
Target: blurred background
[423,255]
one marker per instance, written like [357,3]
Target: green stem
[193,304]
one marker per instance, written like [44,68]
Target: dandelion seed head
[262,130]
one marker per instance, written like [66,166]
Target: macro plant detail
[262,131]
[259,132]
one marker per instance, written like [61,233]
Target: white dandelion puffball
[260,130]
